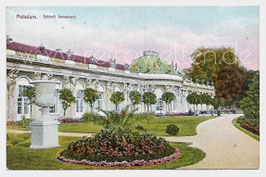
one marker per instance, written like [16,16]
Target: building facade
[147,73]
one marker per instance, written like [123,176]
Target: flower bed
[118,147]
[123,163]
[69,120]
[172,114]
[254,128]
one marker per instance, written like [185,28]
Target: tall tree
[168,97]
[250,103]
[66,97]
[149,98]
[220,66]
[230,82]
[208,62]
[90,96]
[30,92]
[117,98]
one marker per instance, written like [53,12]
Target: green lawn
[187,126]
[21,157]
[237,125]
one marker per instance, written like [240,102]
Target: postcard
[132,88]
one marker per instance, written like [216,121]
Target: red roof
[60,55]
[120,67]
[23,48]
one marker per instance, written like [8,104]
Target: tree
[90,96]
[250,103]
[66,97]
[230,82]
[220,66]
[30,92]
[208,62]
[135,97]
[117,98]
[206,99]
[168,97]
[149,98]
[191,99]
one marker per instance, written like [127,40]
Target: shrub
[119,145]
[87,117]
[25,122]
[66,97]
[172,129]
[90,117]
[117,98]
[90,96]
[124,118]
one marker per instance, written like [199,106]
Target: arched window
[79,101]
[100,101]
[159,105]
[174,104]
[23,106]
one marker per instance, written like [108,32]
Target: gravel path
[225,146]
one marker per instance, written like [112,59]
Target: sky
[123,33]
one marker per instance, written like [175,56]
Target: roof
[151,64]
[60,55]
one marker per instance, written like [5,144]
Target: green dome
[151,63]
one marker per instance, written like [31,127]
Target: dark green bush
[89,117]
[172,129]
[25,122]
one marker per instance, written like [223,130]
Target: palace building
[148,73]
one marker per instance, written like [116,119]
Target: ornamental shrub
[117,98]
[25,122]
[90,96]
[172,129]
[66,97]
[90,117]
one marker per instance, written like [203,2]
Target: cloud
[173,42]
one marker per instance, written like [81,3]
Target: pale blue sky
[188,17]
[174,32]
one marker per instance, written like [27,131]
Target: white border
[183,173]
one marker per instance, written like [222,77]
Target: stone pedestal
[44,130]
[44,134]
